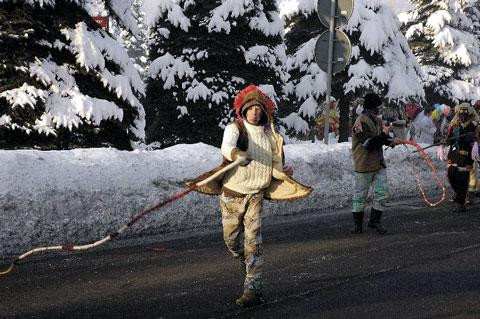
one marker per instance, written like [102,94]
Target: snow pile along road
[79,196]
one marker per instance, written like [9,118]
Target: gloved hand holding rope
[124,227]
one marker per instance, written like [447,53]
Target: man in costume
[333,121]
[462,137]
[368,136]
[252,140]
[474,183]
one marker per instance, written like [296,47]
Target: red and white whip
[434,172]
[124,227]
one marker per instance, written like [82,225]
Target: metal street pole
[326,111]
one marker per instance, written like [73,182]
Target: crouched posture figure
[261,174]
[369,135]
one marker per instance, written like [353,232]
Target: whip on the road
[124,227]
[434,172]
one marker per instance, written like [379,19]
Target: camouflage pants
[242,221]
[363,181]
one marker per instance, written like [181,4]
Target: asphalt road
[427,266]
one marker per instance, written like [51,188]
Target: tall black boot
[358,223]
[374,222]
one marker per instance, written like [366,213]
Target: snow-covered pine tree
[131,35]
[135,43]
[444,36]
[64,82]
[203,53]
[381,62]
[307,84]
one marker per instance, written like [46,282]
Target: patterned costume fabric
[242,221]
[474,183]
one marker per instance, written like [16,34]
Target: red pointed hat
[248,97]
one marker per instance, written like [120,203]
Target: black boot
[374,222]
[358,223]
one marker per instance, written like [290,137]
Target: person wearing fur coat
[463,136]
[252,140]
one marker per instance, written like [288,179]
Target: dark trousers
[459,182]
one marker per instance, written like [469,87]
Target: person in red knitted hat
[252,95]
[252,140]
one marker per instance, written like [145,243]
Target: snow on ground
[79,196]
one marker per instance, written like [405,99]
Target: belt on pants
[460,168]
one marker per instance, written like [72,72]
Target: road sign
[342,51]
[343,12]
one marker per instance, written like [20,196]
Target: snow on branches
[445,38]
[73,86]
[398,75]
[166,9]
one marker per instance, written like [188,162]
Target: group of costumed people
[428,126]
[253,169]
[252,142]
[456,128]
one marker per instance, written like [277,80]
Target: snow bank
[78,196]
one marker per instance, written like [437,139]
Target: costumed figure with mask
[474,183]
[462,139]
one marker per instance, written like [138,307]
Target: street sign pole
[326,111]
[338,51]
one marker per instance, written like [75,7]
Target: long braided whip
[434,172]
[124,227]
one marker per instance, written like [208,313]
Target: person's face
[254,114]
[374,110]
[463,114]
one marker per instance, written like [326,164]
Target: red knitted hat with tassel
[251,94]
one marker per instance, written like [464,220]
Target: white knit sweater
[257,175]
